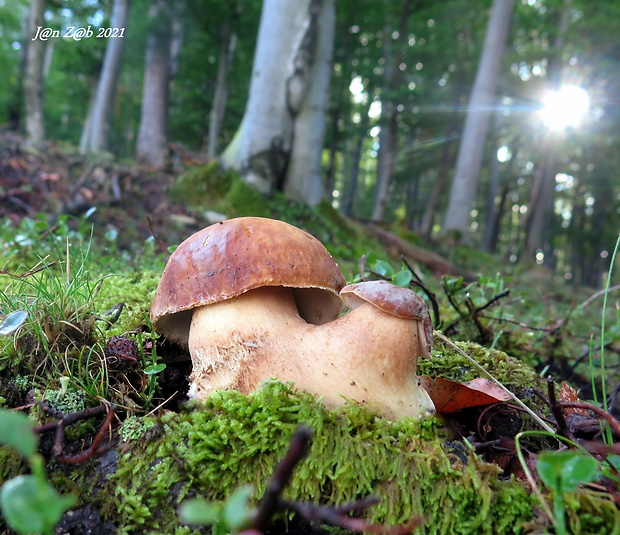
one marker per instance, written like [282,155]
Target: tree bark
[304,177]
[284,60]
[152,146]
[482,100]
[97,131]
[388,138]
[228,44]
[540,206]
[33,79]
[355,159]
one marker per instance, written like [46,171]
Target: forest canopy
[489,121]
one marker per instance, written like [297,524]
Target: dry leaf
[450,396]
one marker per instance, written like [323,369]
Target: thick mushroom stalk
[369,355]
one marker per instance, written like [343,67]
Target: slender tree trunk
[304,177]
[152,146]
[288,38]
[356,158]
[439,184]
[388,138]
[471,149]
[494,184]
[228,44]
[96,138]
[87,128]
[540,208]
[33,79]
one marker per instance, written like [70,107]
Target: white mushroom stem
[366,355]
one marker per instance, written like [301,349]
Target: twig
[161,244]
[300,445]
[613,423]
[69,419]
[556,409]
[431,296]
[333,516]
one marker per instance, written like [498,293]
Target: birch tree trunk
[33,78]
[482,100]
[304,178]
[152,145]
[288,38]
[98,125]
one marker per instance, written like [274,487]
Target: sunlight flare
[565,108]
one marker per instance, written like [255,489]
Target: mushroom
[257,298]
[237,293]
[391,327]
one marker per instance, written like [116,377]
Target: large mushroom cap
[230,258]
[391,299]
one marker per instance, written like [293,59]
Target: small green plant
[562,472]
[50,308]
[230,516]
[29,504]
[384,269]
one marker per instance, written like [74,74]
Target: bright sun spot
[565,108]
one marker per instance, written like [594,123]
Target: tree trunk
[304,177]
[284,60]
[96,138]
[388,138]
[482,100]
[439,184]
[228,44]
[33,79]
[87,127]
[152,146]
[540,206]
[494,184]
[356,158]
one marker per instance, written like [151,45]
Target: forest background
[489,122]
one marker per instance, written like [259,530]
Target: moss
[134,290]
[211,449]
[242,199]
[11,464]
[203,185]
[449,364]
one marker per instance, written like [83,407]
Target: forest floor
[541,324]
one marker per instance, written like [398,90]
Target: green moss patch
[211,449]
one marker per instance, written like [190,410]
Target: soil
[131,199]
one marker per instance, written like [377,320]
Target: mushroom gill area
[366,355]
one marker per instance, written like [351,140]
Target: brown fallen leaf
[450,396]
[568,393]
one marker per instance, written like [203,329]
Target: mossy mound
[231,440]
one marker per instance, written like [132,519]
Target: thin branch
[300,445]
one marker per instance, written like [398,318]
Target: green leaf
[563,471]
[402,278]
[200,512]
[16,430]
[236,510]
[154,369]
[383,268]
[30,505]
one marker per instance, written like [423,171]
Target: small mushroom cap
[229,258]
[391,299]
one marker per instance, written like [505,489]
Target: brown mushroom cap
[230,258]
[391,299]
